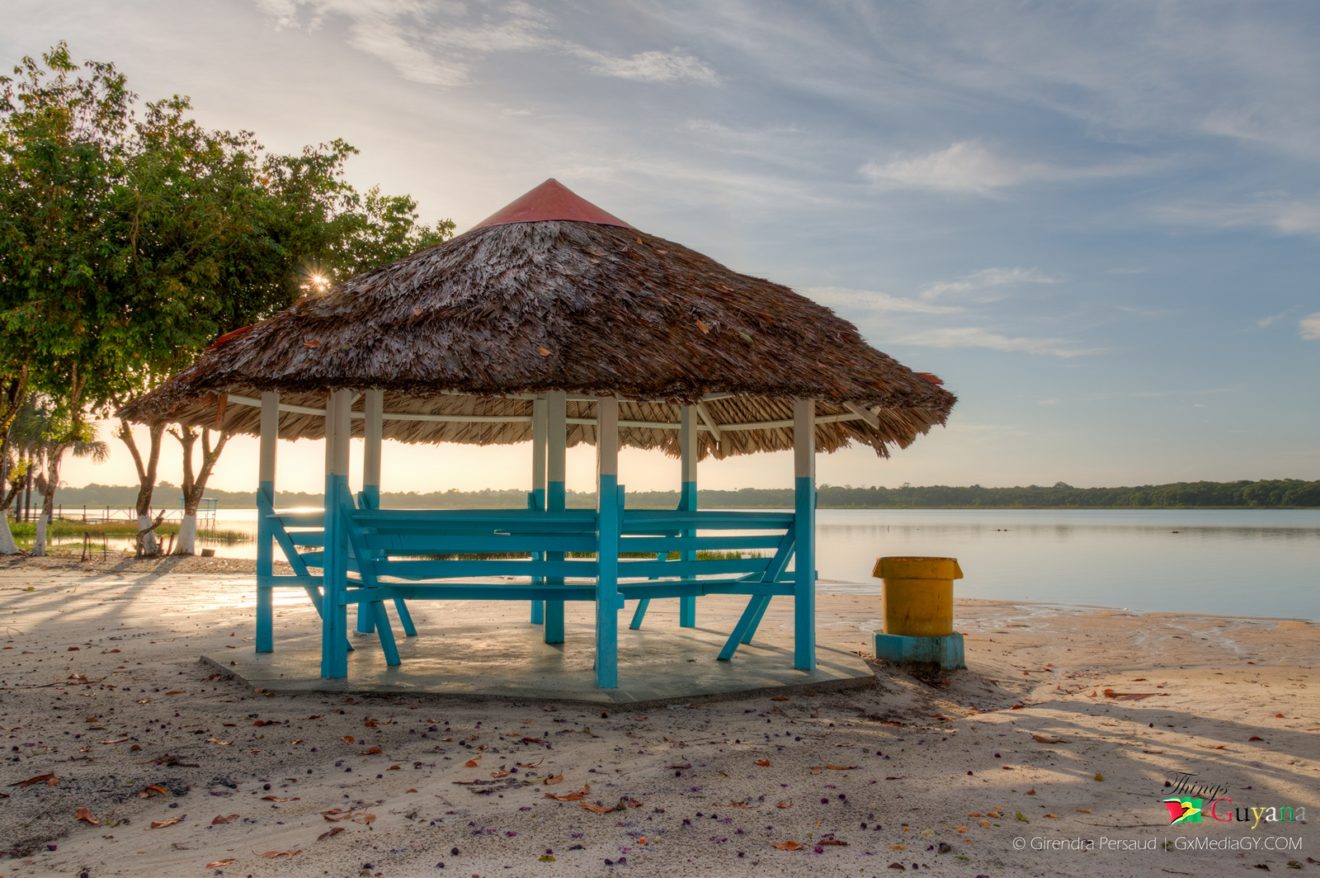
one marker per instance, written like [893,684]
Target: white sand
[101,686]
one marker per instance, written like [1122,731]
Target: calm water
[1225,562]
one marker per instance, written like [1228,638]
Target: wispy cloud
[1284,216]
[1271,319]
[1309,326]
[978,282]
[871,301]
[970,166]
[438,43]
[977,337]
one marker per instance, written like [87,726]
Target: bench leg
[755,607]
[538,612]
[314,594]
[756,620]
[382,625]
[405,618]
[687,612]
[639,614]
[365,623]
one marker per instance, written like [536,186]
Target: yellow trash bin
[918,595]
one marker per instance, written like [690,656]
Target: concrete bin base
[945,652]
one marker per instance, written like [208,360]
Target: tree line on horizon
[131,237]
[1262,494]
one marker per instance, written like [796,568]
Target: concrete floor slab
[492,655]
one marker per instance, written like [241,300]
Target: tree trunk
[194,481]
[48,484]
[7,544]
[148,544]
[187,542]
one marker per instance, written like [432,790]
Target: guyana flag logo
[1183,810]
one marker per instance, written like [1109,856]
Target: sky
[1097,222]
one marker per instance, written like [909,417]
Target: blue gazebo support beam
[804,565]
[334,618]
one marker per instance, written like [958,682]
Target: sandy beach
[1049,755]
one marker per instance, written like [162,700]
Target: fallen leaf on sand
[373,751]
[1128,696]
[1100,776]
[84,815]
[216,864]
[472,763]
[154,790]
[596,808]
[221,819]
[575,796]
[496,775]
[786,846]
[764,763]
[784,803]
[275,855]
[831,840]
[49,779]
[552,779]
[168,821]
[330,833]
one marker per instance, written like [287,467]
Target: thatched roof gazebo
[556,322]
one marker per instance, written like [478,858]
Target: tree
[62,135]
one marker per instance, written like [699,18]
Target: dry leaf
[168,821]
[552,779]
[349,739]
[784,803]
[543,350]
[764,763]
[84,815]
[472,763]
[221,819]
[1048,739]
[49,779]
[831,840]
[330,833]
[786,846]
[373,751]
[154,790]
[216,864]
[596,808]
[575,796]
[496,775]
[275,855]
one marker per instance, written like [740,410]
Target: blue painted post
[539,427]
[270,426]
[373,428]
[804,507]
[609,521]
[555,498]
[687,501]
[334,618]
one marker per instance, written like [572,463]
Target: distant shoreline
[1261,494]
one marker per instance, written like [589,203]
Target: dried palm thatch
[556,295]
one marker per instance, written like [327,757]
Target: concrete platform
[495,657]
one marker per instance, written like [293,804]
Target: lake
[1225,562]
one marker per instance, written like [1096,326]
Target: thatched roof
[552,293]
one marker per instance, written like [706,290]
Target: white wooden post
[270,428]
[373,428]
[804,565]
[555,498]
[687,500]
[609,513]
[540,427]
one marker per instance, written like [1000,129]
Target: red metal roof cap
[551,200]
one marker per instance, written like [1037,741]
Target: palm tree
[41,433]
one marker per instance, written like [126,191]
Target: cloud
[988,279]
[1271,319]
[844,299]
[969,166]
[1284,216]
[1310,326]
[654,67]
[438,43]
[976,337]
